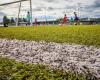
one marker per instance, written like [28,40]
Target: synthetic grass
[88,35]
[11,70]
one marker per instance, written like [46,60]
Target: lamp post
[79,9]
[31,13]
[45,15]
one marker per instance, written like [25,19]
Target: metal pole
[45,16]
[79,9]
[31,12]
[17,22]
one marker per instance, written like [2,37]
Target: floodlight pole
[79,9]
[45,16]
[31,13]
[17,21]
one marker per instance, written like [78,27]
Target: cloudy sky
[54,8]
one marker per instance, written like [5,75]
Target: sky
[53,8]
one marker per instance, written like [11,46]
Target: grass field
[88,35]
[11,70]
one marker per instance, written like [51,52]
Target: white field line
[79,58]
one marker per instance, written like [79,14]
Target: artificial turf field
[12,70]
[80,34]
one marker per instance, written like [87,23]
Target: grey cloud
[69,0]
[97,3]
[34,9]
[37,9]
[63,5]
[70,7]
[51,8]
[50,0]
[2,14]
